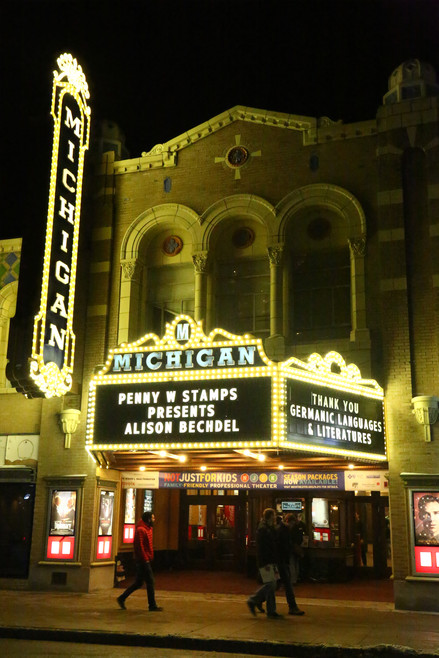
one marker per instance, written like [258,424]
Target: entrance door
[371,536]
[213,533]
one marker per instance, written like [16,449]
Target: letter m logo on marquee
[53,345]
[182,332]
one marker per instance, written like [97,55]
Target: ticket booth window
[320,520]
[147,500]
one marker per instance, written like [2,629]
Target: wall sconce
[69,419]
[426,410]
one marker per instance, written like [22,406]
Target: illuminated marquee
[53,344]
[186,390]
[330,409]
[221,391]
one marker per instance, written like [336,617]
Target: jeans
[266,593]
[285,576]
[144,575]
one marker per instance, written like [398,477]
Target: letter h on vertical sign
[53,345]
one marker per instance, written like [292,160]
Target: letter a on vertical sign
[53,345]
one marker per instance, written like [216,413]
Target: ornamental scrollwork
[70,69]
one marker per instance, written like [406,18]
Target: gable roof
[165,155]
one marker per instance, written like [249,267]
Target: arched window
[320,291]
[319,277]
[169,279]
[241,279]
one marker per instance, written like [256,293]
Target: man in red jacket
[143,554]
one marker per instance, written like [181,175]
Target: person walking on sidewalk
[288,549]
[143,554]
[267,562]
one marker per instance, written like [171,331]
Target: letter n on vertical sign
[53,346]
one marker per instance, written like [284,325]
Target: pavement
[196,621]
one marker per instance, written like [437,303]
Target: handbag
[269,573]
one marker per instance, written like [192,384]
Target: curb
[250,647]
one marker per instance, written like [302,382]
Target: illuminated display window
[63,517]
[105,524]
[129,516]
[423,508]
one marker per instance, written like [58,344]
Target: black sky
[159,68]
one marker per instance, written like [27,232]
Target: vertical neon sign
[53,345]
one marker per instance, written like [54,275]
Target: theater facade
[245,317]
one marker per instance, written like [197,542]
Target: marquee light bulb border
[55,379]
[317,370]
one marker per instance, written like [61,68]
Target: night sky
[159,68]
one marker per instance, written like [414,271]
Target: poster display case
[62,524]
[105,525]
[425,531]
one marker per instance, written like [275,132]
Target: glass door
[224,537]
[197,535]
[212,534]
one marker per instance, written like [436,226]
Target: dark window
[243,296]
[320,305]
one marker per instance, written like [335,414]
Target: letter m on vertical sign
[53,346]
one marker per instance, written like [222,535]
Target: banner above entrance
[280,480]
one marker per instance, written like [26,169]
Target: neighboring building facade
[310,235]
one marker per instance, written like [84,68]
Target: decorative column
[200,261]
[129,302]
[359,331]
[275,254]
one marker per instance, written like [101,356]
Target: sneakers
[296,611]
[252,607]
[121,602]
[274,615]
[156,608]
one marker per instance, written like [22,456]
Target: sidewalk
[221,622]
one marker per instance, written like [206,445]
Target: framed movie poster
[130,505]
[63,513]
[106,504]
[130,516]
[426,518]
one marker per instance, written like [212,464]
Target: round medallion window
[172,245]
[243,237]
[237,156]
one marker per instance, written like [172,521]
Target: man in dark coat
[267,563]
[143,554]
[288,548]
